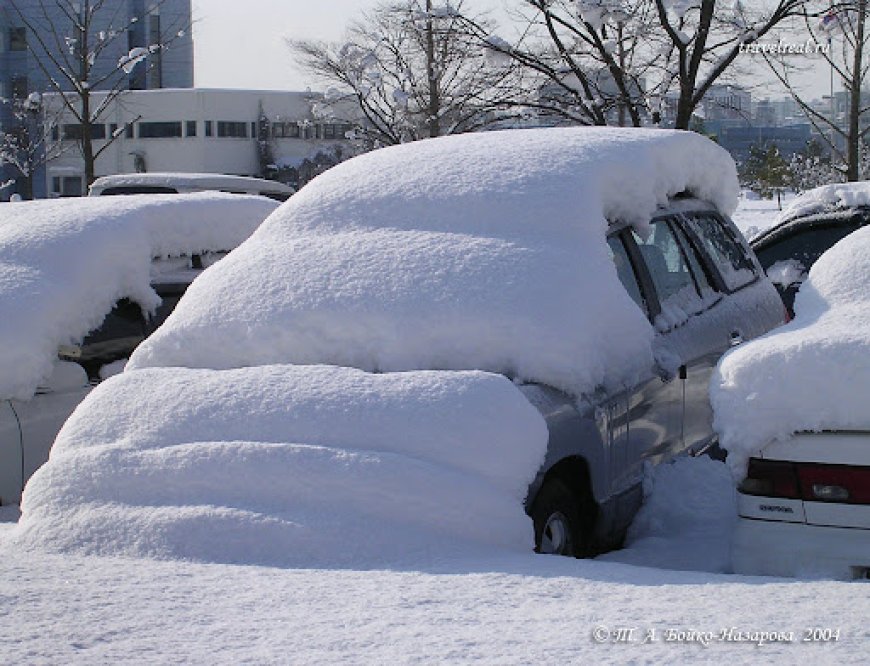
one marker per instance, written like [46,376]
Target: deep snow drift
[811,374]
[64,264]
[290,465]
[481,251]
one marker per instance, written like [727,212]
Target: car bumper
[771,548]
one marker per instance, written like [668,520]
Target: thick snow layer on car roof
[290,465]
[190,180]
[65,262]
[827,198]
[481,251]
[812,374]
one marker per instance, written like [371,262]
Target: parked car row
[612,247]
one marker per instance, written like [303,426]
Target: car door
[646,417]
[657,410]
[723,265]
[10,455]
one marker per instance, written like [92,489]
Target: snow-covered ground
[754,215]
[491,608]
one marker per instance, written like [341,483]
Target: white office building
[240,132]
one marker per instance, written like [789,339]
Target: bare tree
[843,22]
[410,70]
[705,38]
[590,58]
[30,141]
[81,47]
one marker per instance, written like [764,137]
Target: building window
[74,132]
[17,39]
[190,128]
[208,130]
[232,129]
[128,131]
[161,130]
[254,130]
[55,133]
[113,128]
[19,86]
[66,186]
[285,130]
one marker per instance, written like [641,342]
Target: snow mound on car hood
[482,251]
[812,374]
[289,465]
[827,198]
[65,262]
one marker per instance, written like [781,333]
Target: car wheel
[558,518]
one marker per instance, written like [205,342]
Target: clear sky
[241,43]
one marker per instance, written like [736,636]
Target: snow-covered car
[180,183]
[792,411]
[813,223]
[82,283]
[424,346]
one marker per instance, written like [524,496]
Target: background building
[240,132]
[117,27]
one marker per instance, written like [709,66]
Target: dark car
[788,250]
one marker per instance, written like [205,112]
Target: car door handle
[736,338]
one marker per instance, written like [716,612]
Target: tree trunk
[432,76]
[853,154]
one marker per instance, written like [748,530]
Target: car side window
[667,264]
[625,271]
[729,255]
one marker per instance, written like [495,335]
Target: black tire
[560,521]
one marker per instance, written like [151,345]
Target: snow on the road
[686,521]
[509,609]
[812,374]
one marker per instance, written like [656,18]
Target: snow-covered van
[423,347]
[176,183]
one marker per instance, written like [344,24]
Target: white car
[792,410]
[82,283]
[177,183]
[804,508]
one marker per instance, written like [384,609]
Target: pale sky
[241,43]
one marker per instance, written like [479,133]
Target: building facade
[238,132]
[40,43]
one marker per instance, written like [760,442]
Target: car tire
[560,521]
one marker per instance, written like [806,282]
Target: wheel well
[574,473]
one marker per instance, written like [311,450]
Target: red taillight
[771,478]
[807,481]
[835,483]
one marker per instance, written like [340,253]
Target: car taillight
[835,483]
[812,482]
[771,478]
